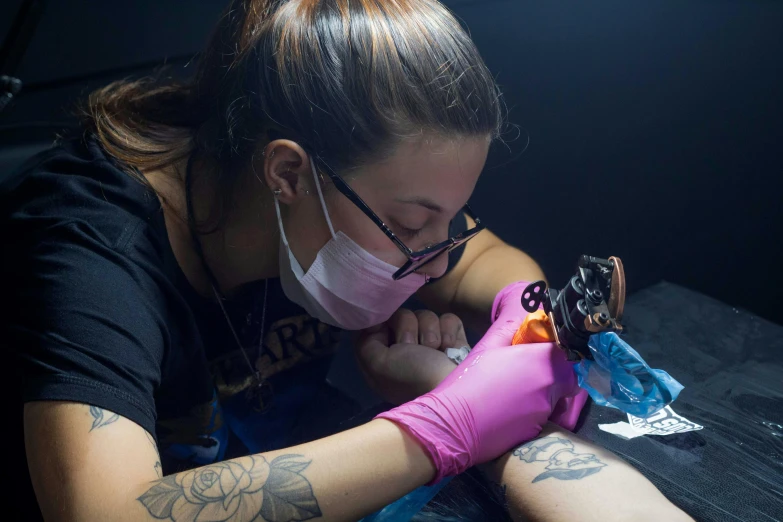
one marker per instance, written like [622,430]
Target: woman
[184,269]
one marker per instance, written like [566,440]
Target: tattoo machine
[584,320]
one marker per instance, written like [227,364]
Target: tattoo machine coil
[592,302]
[583,319]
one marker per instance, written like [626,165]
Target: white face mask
[346,286]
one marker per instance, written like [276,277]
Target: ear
[287,169]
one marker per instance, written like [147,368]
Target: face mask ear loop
[280,223]
[321,197]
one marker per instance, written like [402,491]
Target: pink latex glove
[507,316]
[498,397]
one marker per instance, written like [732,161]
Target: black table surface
[731,364]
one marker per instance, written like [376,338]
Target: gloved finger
[429,328]
[452,332]
[500,333]
[566,411]
[404,326]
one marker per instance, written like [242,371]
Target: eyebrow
[424,202]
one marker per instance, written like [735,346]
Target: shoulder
[75,185]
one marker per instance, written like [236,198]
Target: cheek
[347,217]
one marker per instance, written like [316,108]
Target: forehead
[443,170]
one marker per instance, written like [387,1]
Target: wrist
[437,432]
[420,464]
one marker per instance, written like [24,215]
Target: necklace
[260,391]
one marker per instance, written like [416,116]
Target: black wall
[656,134]
[654,128]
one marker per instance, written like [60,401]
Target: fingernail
[431,338]
[408,338]
[448,341]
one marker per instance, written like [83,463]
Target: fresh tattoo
[240,489]
[101,417]
[564,463]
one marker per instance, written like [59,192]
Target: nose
[437,267]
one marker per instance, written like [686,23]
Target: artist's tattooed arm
[559,476]
[109,473]
[240,489]
[157,466]
[101,417]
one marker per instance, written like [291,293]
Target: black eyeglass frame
[430,253]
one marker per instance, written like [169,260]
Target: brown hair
[346,79]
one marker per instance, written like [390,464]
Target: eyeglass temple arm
[348,192]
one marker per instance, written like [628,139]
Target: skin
[559,476]
[92,464]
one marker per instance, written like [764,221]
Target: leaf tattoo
[159,500]
[287,494]
[564,463]
[100,418]
[249,488]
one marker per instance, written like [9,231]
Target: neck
[242,250]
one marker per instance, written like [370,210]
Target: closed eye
[411,233]
[406,232]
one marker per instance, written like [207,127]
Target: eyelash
[408,232]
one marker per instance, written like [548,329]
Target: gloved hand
[498,397]
[507,316]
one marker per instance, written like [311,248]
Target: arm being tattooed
[558,453]
[91,464]
[562,477]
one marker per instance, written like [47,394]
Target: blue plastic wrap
[405,508]
[619,378]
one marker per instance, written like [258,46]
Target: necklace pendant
[260,395]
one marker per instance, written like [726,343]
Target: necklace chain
[262,388]
[259,381]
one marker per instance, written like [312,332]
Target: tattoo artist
[315,171]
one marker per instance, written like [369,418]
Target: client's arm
[559,476]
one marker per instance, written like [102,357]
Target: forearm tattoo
[101,417]
[248,488]
[564,463]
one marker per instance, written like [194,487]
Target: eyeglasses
[416,259]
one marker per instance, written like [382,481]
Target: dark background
[653,129]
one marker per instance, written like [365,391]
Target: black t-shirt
[101,313]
